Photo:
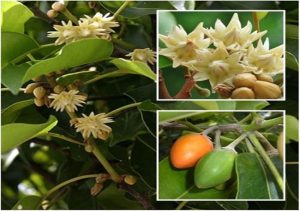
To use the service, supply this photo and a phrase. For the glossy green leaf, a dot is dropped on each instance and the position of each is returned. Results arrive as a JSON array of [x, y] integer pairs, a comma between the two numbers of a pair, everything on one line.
[[81, 76], [134, 67], [72, 55], [164, 62], [209, 105], [12, 76], [15, 45], [226, 105], [23, 132], [11, 113], [169, 116], [292, 31], [115, 198], [28, 203], [251, 177], [14, 15], [251, 105], [291, 61], [178, 184], [291, 127]]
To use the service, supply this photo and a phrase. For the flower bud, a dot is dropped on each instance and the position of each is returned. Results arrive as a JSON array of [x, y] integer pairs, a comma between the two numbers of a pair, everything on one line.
[[266, 90], [39, 92], [38, 102], [58, 7], [243, 93], [130, 180], [244, 80], [30, 87], [264, 77], [52, 14], [58, 89]]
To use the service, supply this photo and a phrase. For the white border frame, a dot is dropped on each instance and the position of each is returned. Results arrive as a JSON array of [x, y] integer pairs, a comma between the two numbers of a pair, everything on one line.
[[202, 111], [203, 99]]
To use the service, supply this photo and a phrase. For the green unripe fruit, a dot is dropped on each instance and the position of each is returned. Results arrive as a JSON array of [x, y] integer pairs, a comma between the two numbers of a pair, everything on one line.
[[214, 168]]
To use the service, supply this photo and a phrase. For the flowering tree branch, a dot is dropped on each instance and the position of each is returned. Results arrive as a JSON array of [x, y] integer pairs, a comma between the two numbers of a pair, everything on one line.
[[186, 89]]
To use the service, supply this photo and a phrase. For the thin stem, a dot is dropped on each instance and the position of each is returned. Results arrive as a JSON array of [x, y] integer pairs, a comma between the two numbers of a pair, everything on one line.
[[7, 89], [181, 205], [101, 158], [67, 182], [249, 146], [123, 6], [265, 124], [267, 160], [163, 90], [118, 110], [217, 139], [256, 21], [246, 119], [70, 16], [190, 126], [186, 89], [292, 163], [267, 145], [105, 75], [233, 144], [65, 138], [209, 130]]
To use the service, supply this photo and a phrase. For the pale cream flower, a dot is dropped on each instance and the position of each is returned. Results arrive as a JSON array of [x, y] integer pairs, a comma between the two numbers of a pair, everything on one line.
[[233, 35], [217, 65], [183, 48], [68, 101], [93, 125], [263, 60], [88, 27], [143, 55]]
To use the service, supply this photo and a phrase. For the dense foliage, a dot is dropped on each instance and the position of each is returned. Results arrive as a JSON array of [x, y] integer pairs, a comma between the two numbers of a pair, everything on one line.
[[52, 164]]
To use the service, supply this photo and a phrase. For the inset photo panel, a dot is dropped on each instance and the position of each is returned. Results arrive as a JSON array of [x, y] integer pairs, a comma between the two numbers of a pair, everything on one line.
[[221, 55], [221, 155]]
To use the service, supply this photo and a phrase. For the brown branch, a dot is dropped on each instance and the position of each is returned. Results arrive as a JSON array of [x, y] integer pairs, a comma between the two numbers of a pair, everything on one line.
[[138, 196], [186, 89], [163, 90]]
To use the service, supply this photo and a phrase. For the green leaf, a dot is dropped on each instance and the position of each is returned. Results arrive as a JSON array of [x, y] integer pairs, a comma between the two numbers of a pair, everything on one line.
[[251, 105], [291, 61], [134, 67], [209, 105], [168, 23], [115, 198], [81, 76], [291, 127], [226, 105], [179, 184], [15, 45], [23, 132], [28, 203], [11, 113], [12, 76], [72, 55], [164, 62], [292, 31], [252, 179], [168, 116], [14, 16]]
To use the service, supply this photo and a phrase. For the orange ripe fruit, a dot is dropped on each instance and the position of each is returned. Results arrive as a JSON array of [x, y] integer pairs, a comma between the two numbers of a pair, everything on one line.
[[188, 149]]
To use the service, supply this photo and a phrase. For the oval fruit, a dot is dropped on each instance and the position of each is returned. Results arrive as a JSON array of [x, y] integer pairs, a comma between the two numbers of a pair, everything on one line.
[[244, 80], [243, 93], [264, 77], [188, 149], [214, 168], [266, 90]]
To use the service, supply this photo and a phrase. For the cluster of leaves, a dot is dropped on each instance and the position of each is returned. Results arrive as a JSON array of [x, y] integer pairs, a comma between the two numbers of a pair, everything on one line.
[[32, 168]]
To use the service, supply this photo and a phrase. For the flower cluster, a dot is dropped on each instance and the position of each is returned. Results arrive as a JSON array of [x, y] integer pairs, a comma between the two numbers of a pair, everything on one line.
[[218, 54], [89, 27], [144, 55], [93, 125]]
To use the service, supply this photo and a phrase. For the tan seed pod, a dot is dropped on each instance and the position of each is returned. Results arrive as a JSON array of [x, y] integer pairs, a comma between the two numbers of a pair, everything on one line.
[[58, 7], [39, 92], [244, 80], [58, 89], [264, 77], [30, 87], [38, 102], [52, 14], [243, 93], [224, 90], [266, 90], [130, 180]]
